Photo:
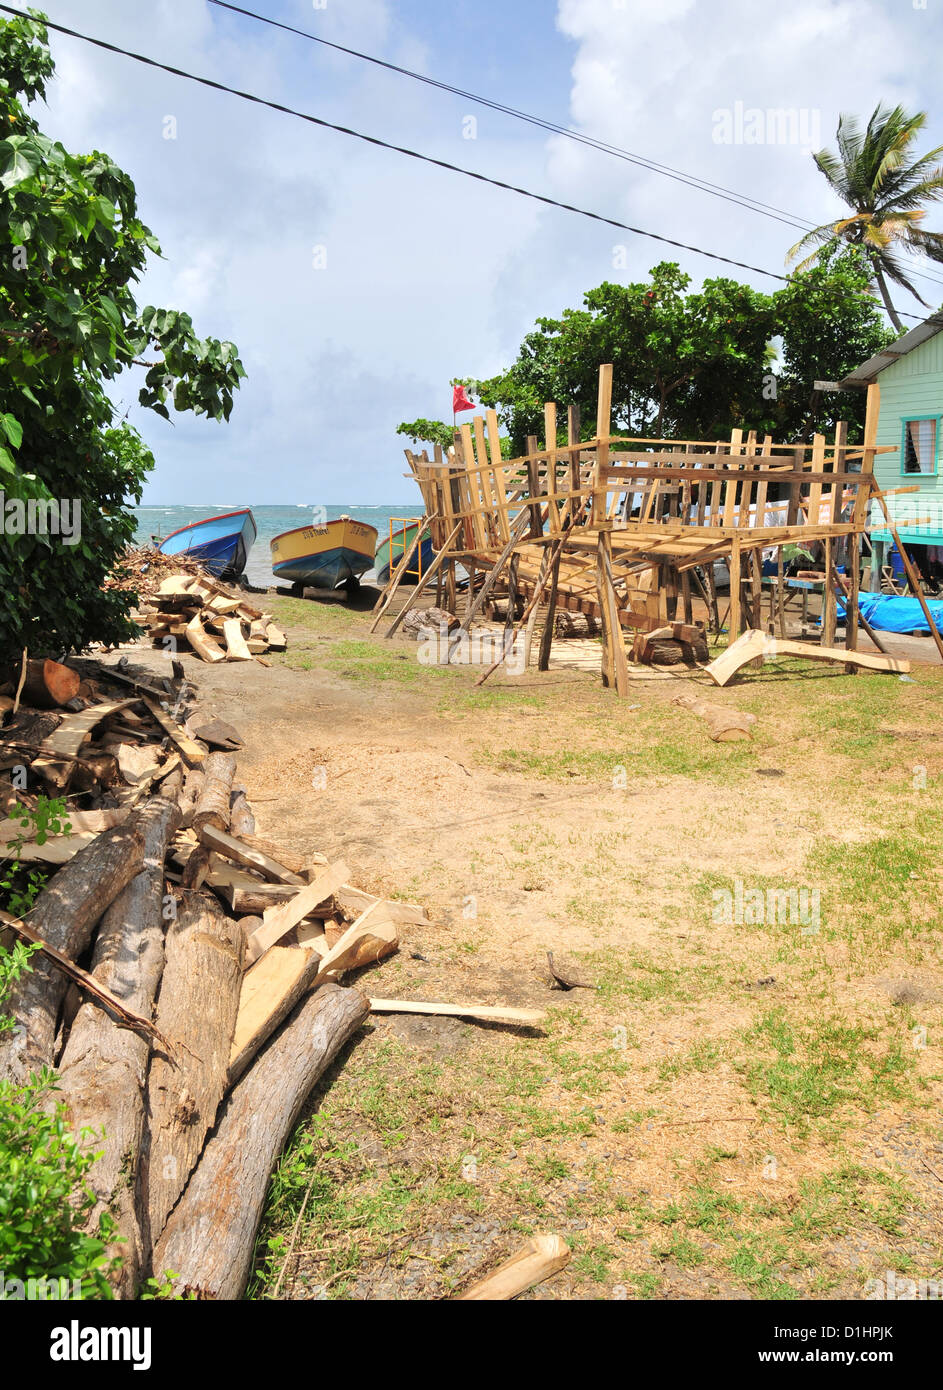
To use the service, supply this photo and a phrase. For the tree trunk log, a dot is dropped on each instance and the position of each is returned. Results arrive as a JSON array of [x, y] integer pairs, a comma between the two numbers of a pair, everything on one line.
[[29, 730], [190, 796], [103, 1067], [209, 1238], [64, 915], [241, 819], [725, 725], [567, 624], [49, 684], [199, 999], [213, 805]]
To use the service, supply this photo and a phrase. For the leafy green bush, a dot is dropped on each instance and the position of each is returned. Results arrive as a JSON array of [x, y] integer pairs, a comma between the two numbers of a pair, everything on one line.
[[19, 885], [44, 1196], [71, 248]]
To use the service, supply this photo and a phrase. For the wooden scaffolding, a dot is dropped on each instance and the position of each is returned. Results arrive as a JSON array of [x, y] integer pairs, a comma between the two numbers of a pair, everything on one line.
[[627, 530]]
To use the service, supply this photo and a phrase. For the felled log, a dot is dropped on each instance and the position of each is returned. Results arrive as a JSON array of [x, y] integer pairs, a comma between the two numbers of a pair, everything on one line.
[[28, 730], [196, 869], [49, 684], [567, 624], [102, 1070], [213, 805], [209, 1238], [260, 897], [199, 997], [241, 819], [726, 725], [190, 796], [64, 915], [422, 622], [542, 1256]]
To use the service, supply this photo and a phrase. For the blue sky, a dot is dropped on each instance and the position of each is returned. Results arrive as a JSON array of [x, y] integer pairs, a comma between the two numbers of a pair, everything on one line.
[[421, 275]]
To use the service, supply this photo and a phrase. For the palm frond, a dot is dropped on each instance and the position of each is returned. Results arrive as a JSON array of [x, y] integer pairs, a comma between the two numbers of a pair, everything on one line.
[[893, 269], [819, 236]]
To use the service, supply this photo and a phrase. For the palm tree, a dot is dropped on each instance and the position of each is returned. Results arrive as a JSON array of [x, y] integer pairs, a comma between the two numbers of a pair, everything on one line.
[[878, 177]]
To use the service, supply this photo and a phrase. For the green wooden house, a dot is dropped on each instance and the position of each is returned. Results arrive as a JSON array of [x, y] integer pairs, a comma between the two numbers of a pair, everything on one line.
[[909, 375]]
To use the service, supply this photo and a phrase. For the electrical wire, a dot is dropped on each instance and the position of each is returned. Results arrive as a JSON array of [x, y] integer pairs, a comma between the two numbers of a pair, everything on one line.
[[409, 153]]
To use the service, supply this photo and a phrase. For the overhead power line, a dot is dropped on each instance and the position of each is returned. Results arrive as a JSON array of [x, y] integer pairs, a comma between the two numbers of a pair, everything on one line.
[[405, 150], [730, 195]]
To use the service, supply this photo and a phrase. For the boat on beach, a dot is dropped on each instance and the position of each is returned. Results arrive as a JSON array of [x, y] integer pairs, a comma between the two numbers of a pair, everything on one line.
[[221, 543], [397, 545], [324, 556]]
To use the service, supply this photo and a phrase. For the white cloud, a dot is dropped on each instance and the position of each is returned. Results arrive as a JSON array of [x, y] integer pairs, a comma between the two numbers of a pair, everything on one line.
[[429, 275]]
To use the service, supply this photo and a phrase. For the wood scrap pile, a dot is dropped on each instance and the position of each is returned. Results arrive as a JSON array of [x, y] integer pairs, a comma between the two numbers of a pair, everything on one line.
[[143, 568], [187, 986], [216, 622]]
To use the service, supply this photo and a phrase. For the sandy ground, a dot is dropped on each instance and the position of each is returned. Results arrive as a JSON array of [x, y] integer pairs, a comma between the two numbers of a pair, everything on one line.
[[420, 797]]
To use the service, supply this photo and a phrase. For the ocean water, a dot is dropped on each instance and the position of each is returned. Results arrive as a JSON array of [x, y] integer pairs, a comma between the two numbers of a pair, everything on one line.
[[271, 521]]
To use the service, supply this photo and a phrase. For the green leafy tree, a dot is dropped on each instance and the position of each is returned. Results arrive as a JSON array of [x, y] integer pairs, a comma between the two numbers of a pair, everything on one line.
[[424, 431], [828, 324], [71, 248], [690, 365], [682, 362], [878, 174]]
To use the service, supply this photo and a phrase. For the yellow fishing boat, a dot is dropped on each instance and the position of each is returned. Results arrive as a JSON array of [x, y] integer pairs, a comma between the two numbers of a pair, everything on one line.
[[324, 556]]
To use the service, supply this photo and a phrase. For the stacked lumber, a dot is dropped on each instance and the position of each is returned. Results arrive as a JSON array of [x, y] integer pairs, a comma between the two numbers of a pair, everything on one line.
[[188, 982], [215, 622]]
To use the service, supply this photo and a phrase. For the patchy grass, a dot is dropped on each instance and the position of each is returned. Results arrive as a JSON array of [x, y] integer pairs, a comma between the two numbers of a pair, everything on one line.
[[737, 1108]]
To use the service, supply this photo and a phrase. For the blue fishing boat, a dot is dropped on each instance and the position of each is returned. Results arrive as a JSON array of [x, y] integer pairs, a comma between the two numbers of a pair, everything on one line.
[[221, 543]]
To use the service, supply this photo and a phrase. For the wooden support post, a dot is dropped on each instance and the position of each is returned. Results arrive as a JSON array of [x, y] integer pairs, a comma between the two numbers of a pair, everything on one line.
[[853, 572], [735, 577], [470, 595], [546, 637], [781, 591], [686, 608], [513, 568], [533, 488], [573, 438], [828, 597], [756, 587], [603, 430], [615, 665]]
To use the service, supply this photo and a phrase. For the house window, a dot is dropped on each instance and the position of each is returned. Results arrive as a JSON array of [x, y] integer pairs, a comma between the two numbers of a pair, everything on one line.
[[919, 446]]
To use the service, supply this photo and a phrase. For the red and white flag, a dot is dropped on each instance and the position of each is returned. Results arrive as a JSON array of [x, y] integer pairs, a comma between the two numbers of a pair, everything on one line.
[[460, 401]]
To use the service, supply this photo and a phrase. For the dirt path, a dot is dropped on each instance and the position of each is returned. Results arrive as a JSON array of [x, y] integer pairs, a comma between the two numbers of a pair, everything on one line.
[[739, 1108]]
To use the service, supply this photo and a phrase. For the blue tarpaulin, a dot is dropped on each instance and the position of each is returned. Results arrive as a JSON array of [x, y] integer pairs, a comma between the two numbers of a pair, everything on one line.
[[891, 613]]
